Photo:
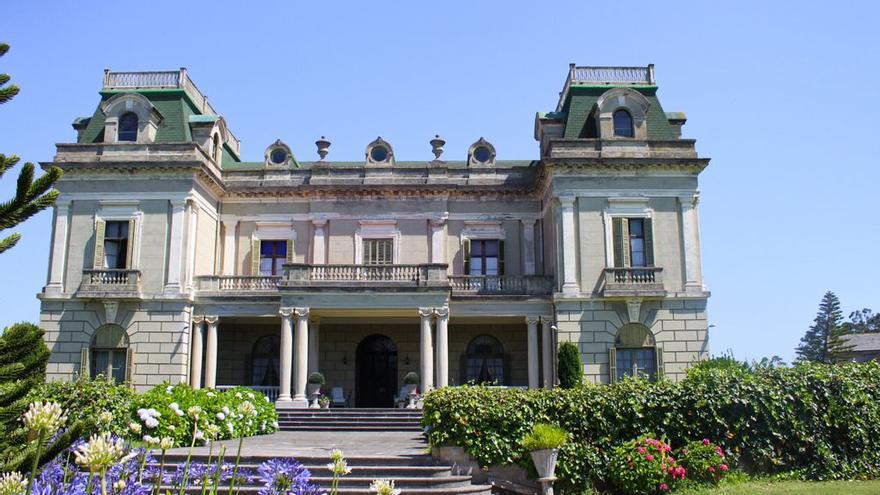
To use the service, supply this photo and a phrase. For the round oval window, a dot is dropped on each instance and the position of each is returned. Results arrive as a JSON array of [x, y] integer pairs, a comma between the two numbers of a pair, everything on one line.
[[278, 156], [482, 154], [379, 154]]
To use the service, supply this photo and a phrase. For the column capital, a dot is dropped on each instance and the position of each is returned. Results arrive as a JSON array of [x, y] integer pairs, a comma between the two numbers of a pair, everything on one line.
[[426, 312], [198, 319], [301, 313], [63, 204], [319, 222], [286, 312], [442, 312], [531, 320], [528, 221], [211, 319], [230, 222], [178, 204], [438, 222], [689, 200], [567, 200], [547, 319]]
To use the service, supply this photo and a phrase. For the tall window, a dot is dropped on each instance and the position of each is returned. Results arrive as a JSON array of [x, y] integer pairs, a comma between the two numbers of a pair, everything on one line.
[[633, 242], [116, 245], [484, 361], [265, 360], [636, 362], [109, 353], [623, 124], [378, 252], [273, 254], [486, 258], [635, 354], [637, 242], [128, 127]]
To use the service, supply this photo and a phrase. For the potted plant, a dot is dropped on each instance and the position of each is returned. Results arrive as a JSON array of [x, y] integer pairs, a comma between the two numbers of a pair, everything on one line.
[[316, 381], [324, 402], [543, 443], [410, 382]]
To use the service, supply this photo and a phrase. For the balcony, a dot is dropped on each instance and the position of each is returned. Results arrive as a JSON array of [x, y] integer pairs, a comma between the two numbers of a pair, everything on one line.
[[373, 276], [110, 284], [634, 282], [503, 285], [234, 284]]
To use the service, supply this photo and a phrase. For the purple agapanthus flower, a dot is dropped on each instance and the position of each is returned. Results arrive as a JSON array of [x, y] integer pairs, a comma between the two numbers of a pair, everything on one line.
[[284, 477]]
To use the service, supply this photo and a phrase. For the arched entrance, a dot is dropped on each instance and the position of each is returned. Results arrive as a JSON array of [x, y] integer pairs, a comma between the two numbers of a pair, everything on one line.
[[376, 372]]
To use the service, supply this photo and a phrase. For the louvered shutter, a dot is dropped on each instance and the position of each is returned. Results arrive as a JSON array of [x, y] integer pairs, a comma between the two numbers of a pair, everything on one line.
[[129, 254], [289, 258], [501, 257], [660, 369], [466, 256], [255, 258], [129, 364], [649, 242], [612, 364], [617, 233], [100, 227], [85, 370]]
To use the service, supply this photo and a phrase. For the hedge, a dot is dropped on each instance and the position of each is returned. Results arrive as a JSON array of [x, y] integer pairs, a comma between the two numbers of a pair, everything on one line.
[[814, 421]]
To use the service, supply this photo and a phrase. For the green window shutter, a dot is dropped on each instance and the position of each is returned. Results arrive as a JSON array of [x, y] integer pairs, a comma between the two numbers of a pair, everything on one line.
[[627, 255], [649, 242], [255, 258], [85, 370], [619, 244], [289, 251], [129, 364], [129, 254], [98, 262], [466, 256], [612, 364], [660, 369], [500, 257]]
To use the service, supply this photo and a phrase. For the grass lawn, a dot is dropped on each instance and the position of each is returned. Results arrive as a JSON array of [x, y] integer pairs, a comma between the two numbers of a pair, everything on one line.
[[791, 487]]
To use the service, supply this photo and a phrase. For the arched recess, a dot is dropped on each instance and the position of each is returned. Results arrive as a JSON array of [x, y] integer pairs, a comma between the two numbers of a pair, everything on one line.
[[147, 116], [484, 361], [376, 372], [635, 353], [109, 354], [627, 99], [265, 361]]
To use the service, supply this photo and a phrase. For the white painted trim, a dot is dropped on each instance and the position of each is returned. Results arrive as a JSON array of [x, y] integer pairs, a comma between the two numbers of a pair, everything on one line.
[[377, 229], [483, 229], [118, 211]]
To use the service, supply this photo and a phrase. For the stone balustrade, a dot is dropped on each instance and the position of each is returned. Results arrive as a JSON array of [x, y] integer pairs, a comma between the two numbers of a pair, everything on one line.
[[527, 285], [110, 283], [634, 281]]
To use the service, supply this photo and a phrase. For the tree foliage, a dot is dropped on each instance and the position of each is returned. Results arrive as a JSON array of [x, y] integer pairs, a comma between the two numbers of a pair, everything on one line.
[[31, 195], [824, 342], [570, 370], [864, 321]]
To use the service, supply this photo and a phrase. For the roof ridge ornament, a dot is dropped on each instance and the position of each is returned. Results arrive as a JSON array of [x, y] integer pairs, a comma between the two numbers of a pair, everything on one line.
[[323, 147], [437, 146]]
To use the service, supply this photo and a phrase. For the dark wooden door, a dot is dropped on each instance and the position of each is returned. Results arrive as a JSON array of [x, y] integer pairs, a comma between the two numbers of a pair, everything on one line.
[[376, 372]]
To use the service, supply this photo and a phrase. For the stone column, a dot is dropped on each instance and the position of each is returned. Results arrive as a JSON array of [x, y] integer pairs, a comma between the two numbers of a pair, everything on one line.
[[193, 225], [528, 229], [426, 368], [442, 346], [691, 241], [319, 246], [229, 245], [175, 249], [569, 247], [59, 248], [437, 240], [547, 351], [211, 352], [532, 324], [301, 358], [314, 326], [286, 358], [195, 356]]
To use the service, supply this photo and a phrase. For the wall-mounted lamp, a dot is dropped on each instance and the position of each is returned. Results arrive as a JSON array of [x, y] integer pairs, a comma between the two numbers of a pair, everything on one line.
[[345, 359], [406, 360]]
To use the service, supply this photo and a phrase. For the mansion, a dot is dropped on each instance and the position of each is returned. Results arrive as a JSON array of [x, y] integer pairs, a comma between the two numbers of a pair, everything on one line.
[[173, 259]]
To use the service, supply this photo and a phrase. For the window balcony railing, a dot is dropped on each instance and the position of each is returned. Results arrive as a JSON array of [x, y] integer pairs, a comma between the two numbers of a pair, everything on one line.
[[109, 283], [634, 281], [524, 285], [608, 75]]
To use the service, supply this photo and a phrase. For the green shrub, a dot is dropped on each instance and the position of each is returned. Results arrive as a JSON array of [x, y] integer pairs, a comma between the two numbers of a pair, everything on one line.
[[643, 467], [90, 402], [411, 378], [544, 436], [316, 379], [705, 462], [173, 413], [818, 421], [570, 368]]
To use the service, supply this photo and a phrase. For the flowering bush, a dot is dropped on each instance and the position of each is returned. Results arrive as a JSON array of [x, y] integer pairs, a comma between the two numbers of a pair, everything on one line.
[[98, 404], [705, 462], [644, 466], [172, 411]]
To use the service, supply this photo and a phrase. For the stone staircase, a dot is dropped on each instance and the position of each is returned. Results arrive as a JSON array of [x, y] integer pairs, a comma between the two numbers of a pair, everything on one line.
[[349, 420]]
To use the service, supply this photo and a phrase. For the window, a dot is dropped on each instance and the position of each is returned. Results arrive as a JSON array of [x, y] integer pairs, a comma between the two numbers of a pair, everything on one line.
[[637, 242], [273, 255], [635, 354], [278, 156], [116, 245], [265, 360], [378, 252], [633, 242], [486, 258], [623, 124], [379, 153], [482, 154], [128, 127], [484, 361], [108, 354], [636, 362]]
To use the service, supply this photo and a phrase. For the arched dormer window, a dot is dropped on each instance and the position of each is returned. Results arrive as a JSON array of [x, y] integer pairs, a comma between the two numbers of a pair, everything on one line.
[[484, 361], [128, 127], [108, 354], [623, 124]]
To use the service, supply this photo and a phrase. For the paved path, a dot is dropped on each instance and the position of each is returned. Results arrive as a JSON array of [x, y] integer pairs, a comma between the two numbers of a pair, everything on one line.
[[320, 443]]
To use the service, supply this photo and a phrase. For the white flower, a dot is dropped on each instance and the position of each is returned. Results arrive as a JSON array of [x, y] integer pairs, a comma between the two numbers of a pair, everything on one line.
[[211, 394], [44, 417], [238, 395], [135, 428], [221, 416], [178, 412], [266, 397], [105, 417], [230, 428], [247, 409], [336, 455], [384, 487], [12, 484], [250, 395], [212, 431], [171, 427], [225, 410], [119, 486], [339, 466], [101, 452], [194, 411], [169, 389], [199, 435], [151, 422], [263, 426], [166, 443], [275, 424], [173, 406], [151, 441]]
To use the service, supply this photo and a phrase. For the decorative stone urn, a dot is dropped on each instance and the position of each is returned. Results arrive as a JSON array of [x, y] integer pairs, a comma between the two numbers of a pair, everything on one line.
[[545, 464]]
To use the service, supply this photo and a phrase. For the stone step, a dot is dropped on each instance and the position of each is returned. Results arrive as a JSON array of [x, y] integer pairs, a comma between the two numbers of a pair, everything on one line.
[[351, 428], [309, 460], [460, 490], [348, 422]]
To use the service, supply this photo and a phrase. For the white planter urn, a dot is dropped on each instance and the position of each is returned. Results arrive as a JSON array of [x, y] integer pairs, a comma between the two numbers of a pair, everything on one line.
[[313, 388], [545, 464]]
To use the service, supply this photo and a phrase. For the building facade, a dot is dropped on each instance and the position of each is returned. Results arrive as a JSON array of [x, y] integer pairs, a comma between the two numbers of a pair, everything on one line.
[[174, 260]]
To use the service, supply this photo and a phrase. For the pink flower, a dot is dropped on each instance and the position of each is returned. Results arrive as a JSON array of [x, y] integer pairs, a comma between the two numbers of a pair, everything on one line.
[[649, 457], [641, 450], [711, 469], [664, 487], [667, 447], [724, 467], [706, 441], [684, 451], [671, 459]]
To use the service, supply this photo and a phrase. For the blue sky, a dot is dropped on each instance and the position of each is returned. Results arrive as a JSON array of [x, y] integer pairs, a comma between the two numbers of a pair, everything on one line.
[[778, 94]]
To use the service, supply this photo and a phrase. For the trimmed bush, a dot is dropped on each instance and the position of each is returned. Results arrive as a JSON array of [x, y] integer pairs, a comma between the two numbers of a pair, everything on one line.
[[411, 378], [817, 421], [316, 379], [544, 436], [570, 369], [90, 402]]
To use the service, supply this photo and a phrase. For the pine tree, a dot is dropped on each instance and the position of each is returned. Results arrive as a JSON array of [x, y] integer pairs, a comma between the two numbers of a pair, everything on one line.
[[824, 342], [570, 369], [31, 196]]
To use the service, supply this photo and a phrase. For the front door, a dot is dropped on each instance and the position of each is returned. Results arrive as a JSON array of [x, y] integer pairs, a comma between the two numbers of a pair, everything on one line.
[[376, 374]]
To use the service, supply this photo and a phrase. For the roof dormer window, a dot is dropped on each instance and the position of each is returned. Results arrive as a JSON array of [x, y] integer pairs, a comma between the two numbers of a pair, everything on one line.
[[128, 127], [623, 124]]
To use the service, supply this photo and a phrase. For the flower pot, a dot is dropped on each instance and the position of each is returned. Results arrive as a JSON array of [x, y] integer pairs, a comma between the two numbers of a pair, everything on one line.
[[545, 462], [313, 388], [410, 388]]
